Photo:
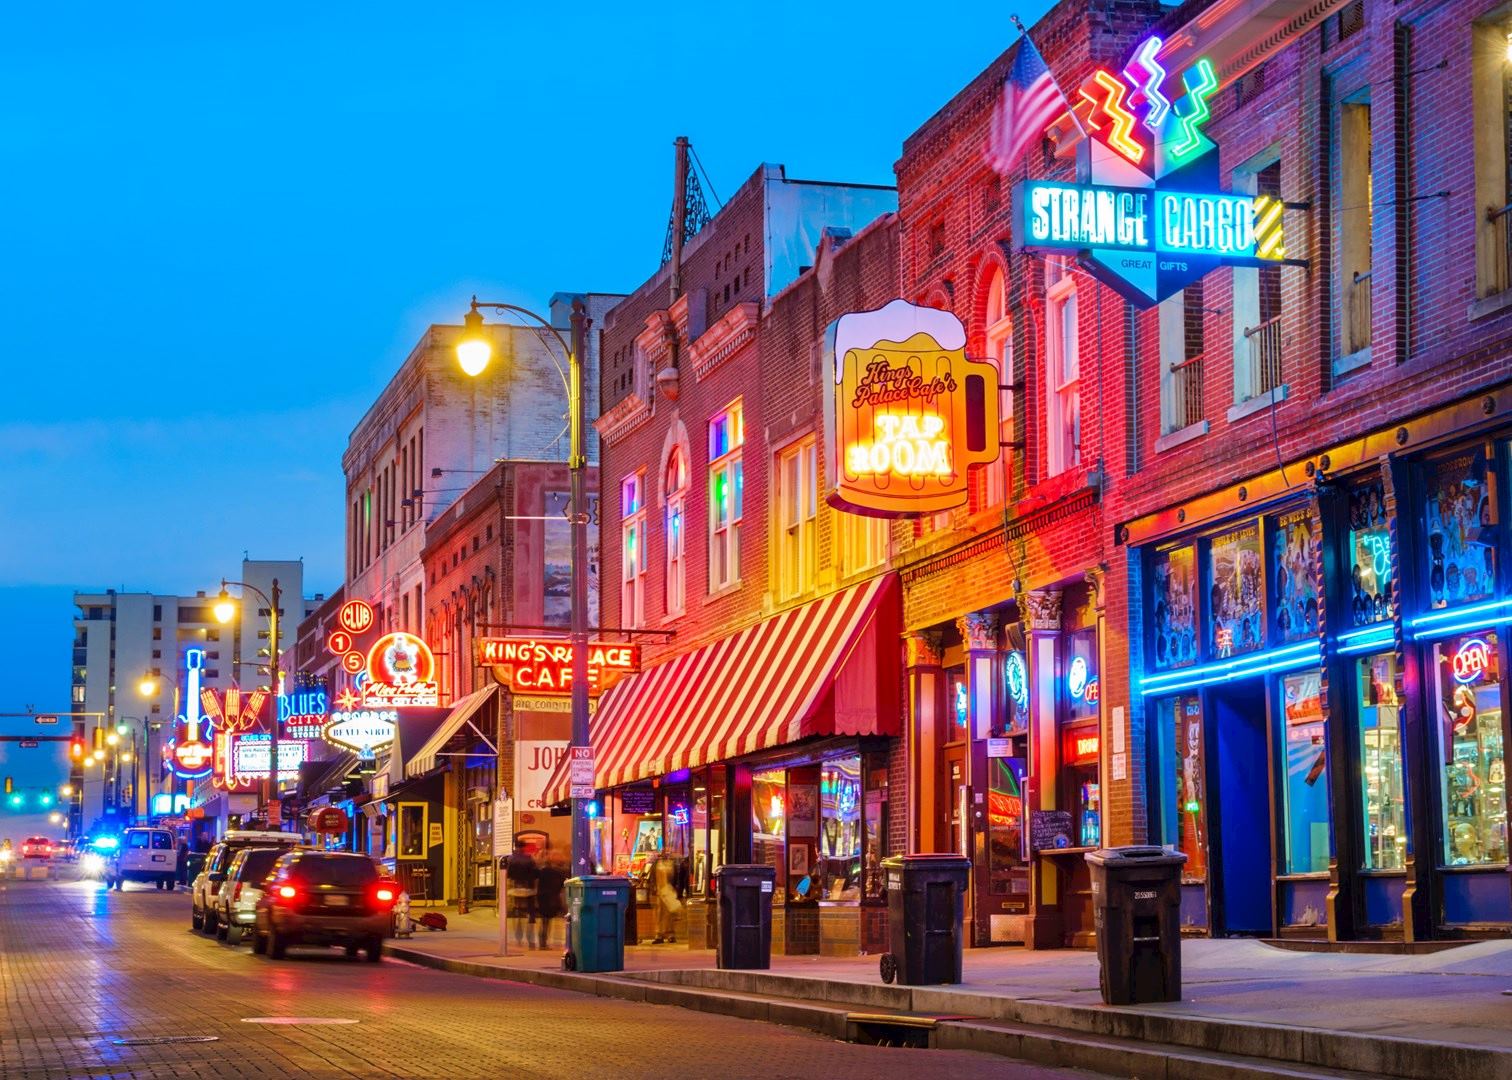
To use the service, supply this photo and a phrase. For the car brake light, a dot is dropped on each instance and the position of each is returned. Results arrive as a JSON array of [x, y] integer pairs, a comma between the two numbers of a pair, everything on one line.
[[287, 892], [236, 893], [385, 895]]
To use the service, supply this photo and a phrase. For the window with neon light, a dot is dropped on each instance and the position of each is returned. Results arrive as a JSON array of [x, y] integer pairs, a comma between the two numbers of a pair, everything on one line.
[[675, 487], [1304, 787], [1467, 709], [633, 550], [1370, 555], [726, 496], [1182, 783], [1460, 520], [837, 873], [797, 516], [1063, 368], [1383, 791], [769, 824], [999, 338]]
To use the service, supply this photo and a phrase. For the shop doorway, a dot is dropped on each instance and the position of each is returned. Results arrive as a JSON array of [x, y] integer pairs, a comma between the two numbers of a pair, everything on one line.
[[952, 785], [1240, 773]]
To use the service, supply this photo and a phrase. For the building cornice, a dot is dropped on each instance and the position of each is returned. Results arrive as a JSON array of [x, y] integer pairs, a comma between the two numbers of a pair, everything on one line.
[[724, 339]]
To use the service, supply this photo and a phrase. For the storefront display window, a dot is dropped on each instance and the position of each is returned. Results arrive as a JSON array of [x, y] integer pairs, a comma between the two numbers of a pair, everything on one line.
[[638, 832], [678, 828], [1305, 785], [769, 823], [1181, 721], [1370, 552], [875, 798], [1174, 585], [1460, 521], [1080, 738], [1005, 826], [1234, 597], [836, 874], [412, 821], [708, 828], [1468, 698], [1381, 763], [1294, 589]]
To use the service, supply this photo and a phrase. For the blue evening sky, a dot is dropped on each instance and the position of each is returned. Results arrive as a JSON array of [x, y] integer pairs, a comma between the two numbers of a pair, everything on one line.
[[224, 226]]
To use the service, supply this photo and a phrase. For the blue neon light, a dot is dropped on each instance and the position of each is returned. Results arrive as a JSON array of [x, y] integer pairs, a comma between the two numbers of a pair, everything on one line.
[[1367, 639], [1474, 617], [1016, 674], [1304, 652], [1076, 677]]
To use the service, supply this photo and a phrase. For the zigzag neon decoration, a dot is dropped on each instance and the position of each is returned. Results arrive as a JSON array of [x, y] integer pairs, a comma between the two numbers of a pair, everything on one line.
[[1110, 103], [1147, 76], [1192, 110]]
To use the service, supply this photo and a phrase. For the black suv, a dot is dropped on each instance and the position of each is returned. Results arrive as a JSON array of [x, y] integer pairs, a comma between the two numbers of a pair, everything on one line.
[[324, 898]]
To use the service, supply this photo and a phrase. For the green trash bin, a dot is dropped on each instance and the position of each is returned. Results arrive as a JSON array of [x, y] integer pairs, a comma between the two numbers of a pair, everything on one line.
[[596, 905]]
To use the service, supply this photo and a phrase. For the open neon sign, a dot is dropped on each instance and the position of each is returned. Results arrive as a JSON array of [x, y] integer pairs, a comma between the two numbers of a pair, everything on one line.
[[1471, 661]]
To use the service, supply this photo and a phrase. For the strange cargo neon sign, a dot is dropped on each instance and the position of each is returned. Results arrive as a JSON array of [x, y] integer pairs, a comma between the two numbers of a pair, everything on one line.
[[1147, 216]]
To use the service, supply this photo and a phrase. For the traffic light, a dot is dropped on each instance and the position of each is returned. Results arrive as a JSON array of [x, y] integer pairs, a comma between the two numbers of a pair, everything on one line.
[[10, 785], [76, 747], [99, 739]]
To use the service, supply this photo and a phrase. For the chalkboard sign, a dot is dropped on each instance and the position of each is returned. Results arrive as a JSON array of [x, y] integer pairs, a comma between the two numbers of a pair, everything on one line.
[[1049, 829], [638, 800]]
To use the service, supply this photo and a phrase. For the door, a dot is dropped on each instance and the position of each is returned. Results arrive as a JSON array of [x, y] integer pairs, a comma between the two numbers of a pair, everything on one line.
[[1239, 774], [950, 799]]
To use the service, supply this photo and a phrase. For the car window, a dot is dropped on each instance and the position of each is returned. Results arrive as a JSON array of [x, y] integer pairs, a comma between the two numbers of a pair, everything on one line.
[[335, 870], [220, 857], [161, 841], [257, 865], [136, 840]]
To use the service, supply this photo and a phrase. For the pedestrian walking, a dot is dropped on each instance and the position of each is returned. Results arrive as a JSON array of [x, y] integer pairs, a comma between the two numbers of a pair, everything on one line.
[[521, 878], [551, 877], [665, 881]]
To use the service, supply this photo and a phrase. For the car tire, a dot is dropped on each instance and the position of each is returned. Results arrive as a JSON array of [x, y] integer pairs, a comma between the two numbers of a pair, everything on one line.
[[277, 948], [196, 920], [211, 921], [221, 930], [374, 950], [233, 936], [351, 948], [259, 943]]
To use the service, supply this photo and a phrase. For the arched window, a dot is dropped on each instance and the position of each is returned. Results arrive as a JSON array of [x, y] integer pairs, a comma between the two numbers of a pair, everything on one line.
[[674, 487], [1000, 351]]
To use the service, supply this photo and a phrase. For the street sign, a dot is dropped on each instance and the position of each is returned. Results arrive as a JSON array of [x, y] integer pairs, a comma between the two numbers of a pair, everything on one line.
[[46, 719], [580, 772], [28, 744], [503, 827]]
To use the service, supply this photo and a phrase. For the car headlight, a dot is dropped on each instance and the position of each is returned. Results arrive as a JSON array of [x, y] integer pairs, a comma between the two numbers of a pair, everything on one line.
[[92, 863], [6, 855]]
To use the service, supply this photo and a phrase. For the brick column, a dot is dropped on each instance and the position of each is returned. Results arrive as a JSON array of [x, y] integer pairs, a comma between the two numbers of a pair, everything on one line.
[[1043, 624], [925, 691]]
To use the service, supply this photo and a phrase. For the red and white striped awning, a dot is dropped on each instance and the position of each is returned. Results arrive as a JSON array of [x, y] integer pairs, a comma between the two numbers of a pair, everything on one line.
[[767, 685]]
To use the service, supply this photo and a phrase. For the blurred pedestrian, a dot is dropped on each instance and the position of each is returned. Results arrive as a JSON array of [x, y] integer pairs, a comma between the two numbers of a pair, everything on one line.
[[551, 876], [521, 877], [665, 881]]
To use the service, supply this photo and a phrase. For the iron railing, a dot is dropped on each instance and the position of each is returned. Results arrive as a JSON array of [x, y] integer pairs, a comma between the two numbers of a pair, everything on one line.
[[1264, 356], [1186, 387]]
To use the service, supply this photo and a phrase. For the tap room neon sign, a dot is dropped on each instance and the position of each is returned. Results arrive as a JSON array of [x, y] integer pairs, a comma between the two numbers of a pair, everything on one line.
[[1148, 216]]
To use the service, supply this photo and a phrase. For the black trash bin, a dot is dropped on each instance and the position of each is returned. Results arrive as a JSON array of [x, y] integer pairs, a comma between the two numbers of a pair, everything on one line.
[[926, 903], [1136, 904], [745, 915]]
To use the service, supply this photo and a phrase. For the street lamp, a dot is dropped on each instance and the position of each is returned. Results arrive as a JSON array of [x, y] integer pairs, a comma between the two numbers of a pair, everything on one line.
[[474, 350], [225, 610]]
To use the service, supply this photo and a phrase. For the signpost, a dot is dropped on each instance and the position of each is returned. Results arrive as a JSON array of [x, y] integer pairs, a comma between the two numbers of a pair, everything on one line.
[[580, 772]]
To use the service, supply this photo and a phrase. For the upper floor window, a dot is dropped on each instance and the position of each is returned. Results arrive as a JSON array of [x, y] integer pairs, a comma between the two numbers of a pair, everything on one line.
[[1062, 369], [863, 541], [726, 495], [1257, 292], [1352, 192], [675, 485], [633, 566], [797, 510], [1000, 352], [1491, 103]]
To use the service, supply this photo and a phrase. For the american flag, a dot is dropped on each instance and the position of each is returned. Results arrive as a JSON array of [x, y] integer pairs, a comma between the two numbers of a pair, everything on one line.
[[1031, 102]]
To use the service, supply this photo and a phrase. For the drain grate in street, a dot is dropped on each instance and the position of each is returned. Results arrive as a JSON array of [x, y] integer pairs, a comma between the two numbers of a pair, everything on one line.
[[296, 1020], [163, 1040]]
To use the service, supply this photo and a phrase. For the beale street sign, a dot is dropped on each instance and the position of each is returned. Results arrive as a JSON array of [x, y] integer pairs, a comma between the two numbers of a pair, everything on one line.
[[544, 665], [1147, 217]]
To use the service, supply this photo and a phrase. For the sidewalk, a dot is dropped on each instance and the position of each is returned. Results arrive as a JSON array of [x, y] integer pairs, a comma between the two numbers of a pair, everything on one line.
[[1277, 1003]]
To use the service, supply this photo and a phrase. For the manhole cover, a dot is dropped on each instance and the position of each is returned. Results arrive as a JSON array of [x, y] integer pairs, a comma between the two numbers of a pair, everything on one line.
[[159, 1040], [295, 1020]]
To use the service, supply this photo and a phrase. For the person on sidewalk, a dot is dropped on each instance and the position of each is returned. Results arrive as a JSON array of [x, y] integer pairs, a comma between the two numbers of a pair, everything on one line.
[[551, 877], [521, 878], [665, 878]]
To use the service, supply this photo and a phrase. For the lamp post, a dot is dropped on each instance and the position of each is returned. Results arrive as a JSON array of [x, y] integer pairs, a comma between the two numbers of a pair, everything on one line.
[[474, 350], [225, 611]]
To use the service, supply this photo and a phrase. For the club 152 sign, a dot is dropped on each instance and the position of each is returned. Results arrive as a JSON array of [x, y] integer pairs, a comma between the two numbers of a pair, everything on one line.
[[544, 665], [906, 413], [1148, 217]]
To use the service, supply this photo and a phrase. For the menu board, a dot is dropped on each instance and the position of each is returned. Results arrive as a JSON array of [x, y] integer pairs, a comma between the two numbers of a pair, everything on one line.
[[1050, 829]]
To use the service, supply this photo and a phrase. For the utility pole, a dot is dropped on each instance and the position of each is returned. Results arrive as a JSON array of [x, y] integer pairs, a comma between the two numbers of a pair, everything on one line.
[[582, 859], [276, 599]]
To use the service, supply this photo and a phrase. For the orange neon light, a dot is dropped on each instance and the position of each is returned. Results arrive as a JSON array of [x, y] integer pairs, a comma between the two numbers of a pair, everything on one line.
[[1110, 105], [544, 665]]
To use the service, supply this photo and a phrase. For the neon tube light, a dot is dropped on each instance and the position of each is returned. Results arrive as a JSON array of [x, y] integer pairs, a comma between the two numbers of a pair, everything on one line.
[[1474, 617], [1366, 639], [1192, 111], [1240, 668], [1110, 104], [1145, 72]]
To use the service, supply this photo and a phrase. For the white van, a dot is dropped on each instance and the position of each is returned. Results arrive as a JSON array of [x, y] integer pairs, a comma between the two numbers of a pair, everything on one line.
[[144, 855]]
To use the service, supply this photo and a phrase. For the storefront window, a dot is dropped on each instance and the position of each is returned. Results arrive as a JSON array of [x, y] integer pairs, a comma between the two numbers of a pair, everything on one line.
[[1460, 520], [960, 705], [836, 873], [1234, 599], [1381, 763], [1016, 693], [708, 828], [638, 836], [1305, 786], [1080, 738], [1174, 599], [1005, 826], [769, 823], [1185, 795], [1082, 688], [876, 825], [1294, 589], [1370, 552], [1468, 696], [412, 820]]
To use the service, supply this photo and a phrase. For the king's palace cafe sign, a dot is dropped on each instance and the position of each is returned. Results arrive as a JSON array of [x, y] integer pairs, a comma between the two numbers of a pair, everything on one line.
[[544, 665]]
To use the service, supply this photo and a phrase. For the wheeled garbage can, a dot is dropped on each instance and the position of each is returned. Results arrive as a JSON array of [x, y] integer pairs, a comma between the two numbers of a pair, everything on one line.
[[745, 915], [1136, 904], [926, 903], [596, 906]]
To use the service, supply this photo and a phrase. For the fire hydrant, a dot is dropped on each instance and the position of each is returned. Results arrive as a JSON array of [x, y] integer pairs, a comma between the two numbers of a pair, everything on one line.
[[403, 926]]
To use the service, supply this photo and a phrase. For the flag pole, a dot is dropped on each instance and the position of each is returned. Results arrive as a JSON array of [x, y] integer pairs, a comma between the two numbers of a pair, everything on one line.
[[1022, 29]]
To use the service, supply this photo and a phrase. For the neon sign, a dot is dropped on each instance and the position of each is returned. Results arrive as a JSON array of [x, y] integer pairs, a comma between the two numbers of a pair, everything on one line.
[[362, 730], [1471, 661], [302, 713], [906, 413], [191, 755], [251, 754], [1147, 215], [1087, 746], [232, 711], [355, 617], [1077, 675], [544, 665], [401, 672], [1016, 675], [164, 804]]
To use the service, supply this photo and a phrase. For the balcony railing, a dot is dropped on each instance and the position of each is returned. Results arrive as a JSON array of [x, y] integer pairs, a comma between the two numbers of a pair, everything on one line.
[[1186, 392], [1264, 356]]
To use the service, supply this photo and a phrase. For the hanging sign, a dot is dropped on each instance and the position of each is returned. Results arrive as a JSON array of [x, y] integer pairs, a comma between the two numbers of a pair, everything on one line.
[[1148, 217], [362, 730], [544, 665], [906, 414], [302, 713], [401, 673], [251, 756], [192, 755], [329, 820]]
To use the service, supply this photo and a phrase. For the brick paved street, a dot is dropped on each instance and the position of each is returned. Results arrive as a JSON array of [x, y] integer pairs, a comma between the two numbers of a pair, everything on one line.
[[80, 967]]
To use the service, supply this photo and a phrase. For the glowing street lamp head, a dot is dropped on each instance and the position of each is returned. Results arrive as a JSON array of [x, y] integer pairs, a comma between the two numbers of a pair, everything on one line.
[[225, 607], [66, 791], [112, 739], [474, 350], [148, 687]]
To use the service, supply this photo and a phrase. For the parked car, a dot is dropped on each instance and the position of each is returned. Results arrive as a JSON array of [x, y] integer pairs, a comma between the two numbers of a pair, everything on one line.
[[38, 847], [143, 855], [236, 903], [324, 898], [205, 888]]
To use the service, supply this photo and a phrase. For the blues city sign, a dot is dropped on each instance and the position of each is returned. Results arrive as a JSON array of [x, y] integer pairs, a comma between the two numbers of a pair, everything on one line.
[[1147, 216]]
